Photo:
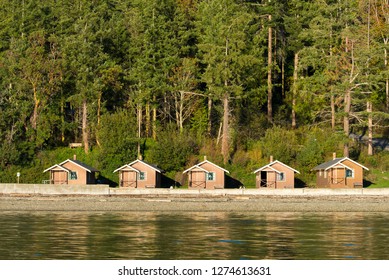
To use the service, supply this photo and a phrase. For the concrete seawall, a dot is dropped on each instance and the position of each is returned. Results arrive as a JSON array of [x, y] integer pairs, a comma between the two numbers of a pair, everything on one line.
[[45, 189]]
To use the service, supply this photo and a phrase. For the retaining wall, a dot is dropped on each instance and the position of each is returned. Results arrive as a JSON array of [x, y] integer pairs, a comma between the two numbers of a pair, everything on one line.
[[46, 189]]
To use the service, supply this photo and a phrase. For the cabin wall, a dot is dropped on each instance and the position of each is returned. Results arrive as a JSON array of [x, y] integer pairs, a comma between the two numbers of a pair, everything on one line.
[[150, 178], [288, 181], [358, 174], [81, 174], [219, 181]]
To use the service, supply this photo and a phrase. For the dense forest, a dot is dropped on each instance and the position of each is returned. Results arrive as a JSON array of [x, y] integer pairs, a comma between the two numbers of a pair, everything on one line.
[[174, 80]]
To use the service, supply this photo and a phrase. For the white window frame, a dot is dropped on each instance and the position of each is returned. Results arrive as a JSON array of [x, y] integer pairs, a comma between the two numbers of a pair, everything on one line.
[[70, 175], [144, 176], [352, 173], [213, 176], [281, 177]]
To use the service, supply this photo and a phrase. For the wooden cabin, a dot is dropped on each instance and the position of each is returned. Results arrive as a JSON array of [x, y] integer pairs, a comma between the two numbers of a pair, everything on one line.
[[71, 172], [275, 175], [139, 174], [339, 173], [206, 175]]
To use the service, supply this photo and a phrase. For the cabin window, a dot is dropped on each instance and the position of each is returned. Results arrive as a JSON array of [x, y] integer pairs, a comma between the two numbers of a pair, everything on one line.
[[72, 175], [349, 173], [211, 176], [142, 176], [281, 176]]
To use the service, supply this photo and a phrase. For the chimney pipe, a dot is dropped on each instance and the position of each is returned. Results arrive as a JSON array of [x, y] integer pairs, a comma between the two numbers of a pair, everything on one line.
[[333, 155], [205, 158], [74, 157], [271, 159]]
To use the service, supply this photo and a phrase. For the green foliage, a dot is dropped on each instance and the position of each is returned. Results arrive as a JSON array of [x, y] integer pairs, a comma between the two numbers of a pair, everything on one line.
[[280, 143], [199, 122], [165, 60], [173, 149], [117, 137]]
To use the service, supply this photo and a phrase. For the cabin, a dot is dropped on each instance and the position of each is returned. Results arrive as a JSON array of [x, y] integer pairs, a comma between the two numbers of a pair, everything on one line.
[[339, 173], [139, 174], [71, 172], [276, 175], [206, 175]]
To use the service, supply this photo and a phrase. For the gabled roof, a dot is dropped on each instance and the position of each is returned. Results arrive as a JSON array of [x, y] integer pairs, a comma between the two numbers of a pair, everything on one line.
[[129, 165], [194, 167], [76, 162], [57, 166], [201, 163], [329, 164], [274, 162]]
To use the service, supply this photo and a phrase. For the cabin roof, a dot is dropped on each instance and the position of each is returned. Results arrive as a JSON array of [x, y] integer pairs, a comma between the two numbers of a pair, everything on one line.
[[129, 165], [202, 163], [330, 164], [57, 166], [76, 162], [270, 165]]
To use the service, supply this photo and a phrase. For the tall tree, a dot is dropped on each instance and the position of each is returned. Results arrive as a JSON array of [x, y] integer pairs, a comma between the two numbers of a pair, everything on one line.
[[223, 46]]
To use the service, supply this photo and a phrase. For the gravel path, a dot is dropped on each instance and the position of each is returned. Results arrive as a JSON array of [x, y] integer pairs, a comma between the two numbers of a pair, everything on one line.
[[197, 204]]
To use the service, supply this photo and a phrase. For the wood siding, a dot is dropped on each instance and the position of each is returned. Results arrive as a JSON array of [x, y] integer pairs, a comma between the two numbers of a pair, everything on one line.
[[270, 178], [197, 177], [83, 176], [335, 177], [130, 176]]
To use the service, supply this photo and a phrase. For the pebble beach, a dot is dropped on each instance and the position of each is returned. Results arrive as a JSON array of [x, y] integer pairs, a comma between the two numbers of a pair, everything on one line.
[[341, 203]]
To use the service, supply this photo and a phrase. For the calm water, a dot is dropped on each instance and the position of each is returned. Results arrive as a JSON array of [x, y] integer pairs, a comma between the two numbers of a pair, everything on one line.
[[85, 235]]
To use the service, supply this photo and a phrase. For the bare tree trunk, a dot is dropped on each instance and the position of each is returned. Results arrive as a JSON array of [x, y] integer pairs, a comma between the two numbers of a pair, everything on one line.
[[139, 116], [209, 129], [387, 78], [346, 120], [34, 117], [369, 110], [147, 119], [333, 120], [219, 134], [347, 102], [225, 139], [181, 114], [154, 132], [98, 115], [283, 76], [295, 77], [269, 76], [62, 121], [85, 133]]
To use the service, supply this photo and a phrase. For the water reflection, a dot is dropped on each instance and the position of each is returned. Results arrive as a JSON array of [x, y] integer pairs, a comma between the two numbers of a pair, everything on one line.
[[85, 235]]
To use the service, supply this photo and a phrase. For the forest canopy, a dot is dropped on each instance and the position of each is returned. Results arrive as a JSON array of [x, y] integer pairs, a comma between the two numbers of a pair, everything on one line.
[[236, 80]]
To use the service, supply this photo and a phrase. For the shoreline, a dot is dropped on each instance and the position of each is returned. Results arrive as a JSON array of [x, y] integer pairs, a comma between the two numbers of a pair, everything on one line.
[[248, 204]]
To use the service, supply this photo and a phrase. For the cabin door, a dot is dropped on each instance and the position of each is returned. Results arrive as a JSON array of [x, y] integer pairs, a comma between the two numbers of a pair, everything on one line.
[[59, 177], [263, 183], [198, 179], [129, 179]]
